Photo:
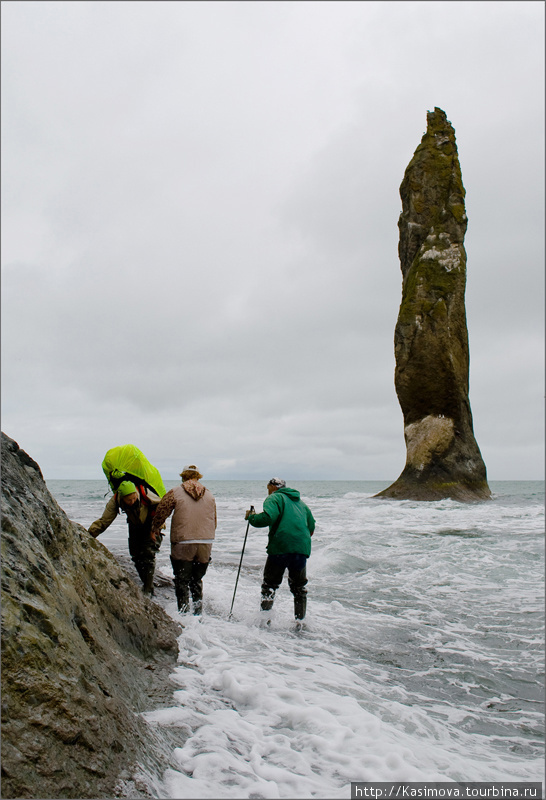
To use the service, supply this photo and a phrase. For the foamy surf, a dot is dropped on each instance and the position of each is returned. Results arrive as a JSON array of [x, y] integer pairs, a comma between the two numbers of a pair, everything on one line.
[[421, 660]]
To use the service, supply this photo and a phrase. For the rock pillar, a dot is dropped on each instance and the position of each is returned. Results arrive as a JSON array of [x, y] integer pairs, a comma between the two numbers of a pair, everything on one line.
[[431, 338]]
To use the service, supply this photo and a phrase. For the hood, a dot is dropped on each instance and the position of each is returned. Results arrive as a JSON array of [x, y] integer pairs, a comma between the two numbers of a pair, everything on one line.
[[293, 494], [194, 488]]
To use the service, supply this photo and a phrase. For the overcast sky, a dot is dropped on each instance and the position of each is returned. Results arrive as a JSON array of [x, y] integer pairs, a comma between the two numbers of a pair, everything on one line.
[[199, 229]]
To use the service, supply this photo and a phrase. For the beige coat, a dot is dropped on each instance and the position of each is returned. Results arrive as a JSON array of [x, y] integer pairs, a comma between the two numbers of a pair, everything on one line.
[[194, 513]]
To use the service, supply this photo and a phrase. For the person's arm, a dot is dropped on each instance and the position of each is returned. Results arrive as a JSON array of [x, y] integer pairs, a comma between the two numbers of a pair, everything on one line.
[[109, 515], [311, 524], [164, 509], [269, 515], [262, 520]]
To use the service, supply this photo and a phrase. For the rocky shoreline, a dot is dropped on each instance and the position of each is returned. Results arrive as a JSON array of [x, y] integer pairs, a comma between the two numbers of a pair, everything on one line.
[[83, 652]]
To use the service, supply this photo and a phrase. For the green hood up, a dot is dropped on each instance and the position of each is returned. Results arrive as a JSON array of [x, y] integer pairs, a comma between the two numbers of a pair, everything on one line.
[[128, 463], [293, 494]]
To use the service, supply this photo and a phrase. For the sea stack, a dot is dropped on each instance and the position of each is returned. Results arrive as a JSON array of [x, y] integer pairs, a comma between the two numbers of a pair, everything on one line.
[[431, 338]]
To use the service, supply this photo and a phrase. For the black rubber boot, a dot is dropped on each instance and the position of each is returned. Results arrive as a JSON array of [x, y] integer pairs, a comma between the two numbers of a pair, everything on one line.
[[145, 569], [196, 586], [182, 596], [268, 596], [182, 576], [148, 581], [300, 606]]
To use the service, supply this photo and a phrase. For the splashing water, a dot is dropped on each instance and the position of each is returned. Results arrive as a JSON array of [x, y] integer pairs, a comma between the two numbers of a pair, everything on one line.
[[421, 658]]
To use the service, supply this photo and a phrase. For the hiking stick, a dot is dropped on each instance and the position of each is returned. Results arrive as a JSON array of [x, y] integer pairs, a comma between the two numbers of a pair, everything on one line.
[[240, 562]]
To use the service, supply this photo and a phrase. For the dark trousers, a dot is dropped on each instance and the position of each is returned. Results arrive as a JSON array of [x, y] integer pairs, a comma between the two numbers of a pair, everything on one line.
[[142, 550], [188, 577], [274, 570]]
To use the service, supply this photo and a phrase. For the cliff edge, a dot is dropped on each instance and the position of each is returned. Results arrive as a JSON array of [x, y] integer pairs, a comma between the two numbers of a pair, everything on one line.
[[83, 651]]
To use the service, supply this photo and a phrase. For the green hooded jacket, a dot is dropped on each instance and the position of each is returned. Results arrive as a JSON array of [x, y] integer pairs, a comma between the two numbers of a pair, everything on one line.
[[290, 523]]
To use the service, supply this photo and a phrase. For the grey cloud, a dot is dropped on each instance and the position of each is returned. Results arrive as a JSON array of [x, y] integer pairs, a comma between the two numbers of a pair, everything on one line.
[[199, 228]]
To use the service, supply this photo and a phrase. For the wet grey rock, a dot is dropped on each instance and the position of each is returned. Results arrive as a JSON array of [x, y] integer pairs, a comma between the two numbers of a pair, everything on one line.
[[83, 652], [431, 339]]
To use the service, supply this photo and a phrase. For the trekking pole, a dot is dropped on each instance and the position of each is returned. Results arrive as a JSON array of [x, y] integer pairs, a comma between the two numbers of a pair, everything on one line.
[[240, 563]]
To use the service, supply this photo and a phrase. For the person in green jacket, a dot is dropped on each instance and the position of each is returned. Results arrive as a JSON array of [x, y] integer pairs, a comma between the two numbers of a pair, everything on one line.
[[291, 525]]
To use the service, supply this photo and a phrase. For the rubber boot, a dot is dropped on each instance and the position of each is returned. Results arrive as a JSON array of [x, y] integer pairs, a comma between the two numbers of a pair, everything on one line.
[[196, 589], [197, 608], [182, 575], [141, 568], [148, 587], [182, 596], [268, 596], [146, 574], [196, 586], [300, 606]]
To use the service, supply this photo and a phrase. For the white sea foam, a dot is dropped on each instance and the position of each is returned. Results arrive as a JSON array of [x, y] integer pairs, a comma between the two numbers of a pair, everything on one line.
[[422, 658]]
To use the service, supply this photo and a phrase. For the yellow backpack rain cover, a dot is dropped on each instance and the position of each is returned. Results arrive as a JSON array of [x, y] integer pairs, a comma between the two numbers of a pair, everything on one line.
[[127, 462]]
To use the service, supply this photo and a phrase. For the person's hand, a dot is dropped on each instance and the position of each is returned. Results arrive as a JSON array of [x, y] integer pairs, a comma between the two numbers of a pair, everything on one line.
[[249, 512]]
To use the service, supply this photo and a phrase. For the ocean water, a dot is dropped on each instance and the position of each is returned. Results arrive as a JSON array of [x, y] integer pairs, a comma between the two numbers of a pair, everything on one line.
[[422, 658]]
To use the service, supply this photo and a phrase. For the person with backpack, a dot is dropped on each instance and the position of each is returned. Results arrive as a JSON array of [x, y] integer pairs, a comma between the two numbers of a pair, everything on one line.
[[139, 504], [291, 525], [193, 529]]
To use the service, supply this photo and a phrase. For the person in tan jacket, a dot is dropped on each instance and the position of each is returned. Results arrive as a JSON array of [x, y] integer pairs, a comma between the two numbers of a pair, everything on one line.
[[193, 529]]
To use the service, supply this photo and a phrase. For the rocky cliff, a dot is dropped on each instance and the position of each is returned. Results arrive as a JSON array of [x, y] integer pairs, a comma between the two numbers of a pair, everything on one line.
[[83, 651], [431, 338]]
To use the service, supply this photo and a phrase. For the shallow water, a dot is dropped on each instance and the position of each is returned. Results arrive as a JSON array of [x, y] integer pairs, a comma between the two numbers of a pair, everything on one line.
[[422, 657]]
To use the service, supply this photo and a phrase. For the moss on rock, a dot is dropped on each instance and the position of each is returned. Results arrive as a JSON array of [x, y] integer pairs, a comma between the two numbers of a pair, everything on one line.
[[431, 337]]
